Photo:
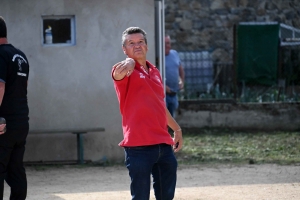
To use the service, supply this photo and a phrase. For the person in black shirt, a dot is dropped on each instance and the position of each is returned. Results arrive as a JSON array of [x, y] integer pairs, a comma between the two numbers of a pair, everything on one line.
[[14, 70]]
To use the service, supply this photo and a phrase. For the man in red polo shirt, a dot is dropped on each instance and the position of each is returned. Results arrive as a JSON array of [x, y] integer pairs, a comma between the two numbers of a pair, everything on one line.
[[149, 148]]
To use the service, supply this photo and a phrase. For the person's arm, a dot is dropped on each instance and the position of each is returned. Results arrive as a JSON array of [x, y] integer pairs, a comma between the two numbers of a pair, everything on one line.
[[2, 90], [181, 77], [168, 90], [178, 140], [123, 68]]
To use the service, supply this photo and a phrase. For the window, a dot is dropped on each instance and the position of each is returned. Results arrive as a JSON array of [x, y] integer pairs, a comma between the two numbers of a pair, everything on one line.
[[58, 30]]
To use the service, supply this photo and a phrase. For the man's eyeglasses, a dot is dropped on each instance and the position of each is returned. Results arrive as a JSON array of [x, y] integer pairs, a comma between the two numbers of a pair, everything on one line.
[[132, 44]]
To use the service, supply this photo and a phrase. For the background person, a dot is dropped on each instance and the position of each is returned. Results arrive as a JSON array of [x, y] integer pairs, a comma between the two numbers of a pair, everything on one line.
[[174, 76], [14, 70], [145, 118]]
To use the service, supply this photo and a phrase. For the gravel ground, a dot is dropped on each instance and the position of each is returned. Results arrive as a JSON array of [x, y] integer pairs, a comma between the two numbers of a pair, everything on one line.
[[198, 182]]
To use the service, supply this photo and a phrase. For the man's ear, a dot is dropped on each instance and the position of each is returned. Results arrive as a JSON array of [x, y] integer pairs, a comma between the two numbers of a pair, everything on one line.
[[124, 50]]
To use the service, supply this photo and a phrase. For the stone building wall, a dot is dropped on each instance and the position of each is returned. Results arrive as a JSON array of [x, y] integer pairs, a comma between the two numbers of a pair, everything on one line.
[[240, 116], [197, 25]]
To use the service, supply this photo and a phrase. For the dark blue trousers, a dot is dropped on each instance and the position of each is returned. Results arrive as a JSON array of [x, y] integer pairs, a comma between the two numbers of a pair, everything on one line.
[[12, 148], [156, 160]]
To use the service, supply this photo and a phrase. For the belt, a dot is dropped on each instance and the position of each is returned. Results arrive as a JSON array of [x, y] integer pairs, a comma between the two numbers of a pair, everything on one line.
[[171, 94]]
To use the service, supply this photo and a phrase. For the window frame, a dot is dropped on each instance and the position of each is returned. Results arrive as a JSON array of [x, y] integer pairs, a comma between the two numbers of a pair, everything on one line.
[[72, 27]]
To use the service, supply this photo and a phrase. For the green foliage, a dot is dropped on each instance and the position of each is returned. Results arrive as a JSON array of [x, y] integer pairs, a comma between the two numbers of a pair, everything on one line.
[[225, 146], [248, 94]]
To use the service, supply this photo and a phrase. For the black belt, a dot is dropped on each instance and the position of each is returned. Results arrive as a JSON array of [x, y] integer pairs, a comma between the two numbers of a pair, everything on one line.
[[140, 147], [171, 94]]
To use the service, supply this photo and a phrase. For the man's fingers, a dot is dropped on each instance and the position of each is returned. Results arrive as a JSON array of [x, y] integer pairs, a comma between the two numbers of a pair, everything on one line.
[[117, 64], [178, 142], [177, 146], [121, 68], [129, 73], [2, 128], [124, 67]]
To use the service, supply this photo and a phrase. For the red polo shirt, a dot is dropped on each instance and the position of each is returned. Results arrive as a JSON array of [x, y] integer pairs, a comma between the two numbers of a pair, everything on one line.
[[143, 109]]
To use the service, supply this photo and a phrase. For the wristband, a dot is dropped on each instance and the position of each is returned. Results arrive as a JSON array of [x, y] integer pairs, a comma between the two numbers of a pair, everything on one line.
[[178, 130]]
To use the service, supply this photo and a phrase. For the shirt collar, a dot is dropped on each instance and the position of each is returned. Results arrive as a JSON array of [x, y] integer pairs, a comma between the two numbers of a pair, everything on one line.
[[138, 66]]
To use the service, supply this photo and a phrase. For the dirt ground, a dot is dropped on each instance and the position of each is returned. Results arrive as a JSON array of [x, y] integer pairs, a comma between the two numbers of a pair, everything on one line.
[[225, 182]]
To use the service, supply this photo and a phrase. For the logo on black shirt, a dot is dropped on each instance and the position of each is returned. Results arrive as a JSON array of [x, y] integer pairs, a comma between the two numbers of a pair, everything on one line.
[[20, 60]]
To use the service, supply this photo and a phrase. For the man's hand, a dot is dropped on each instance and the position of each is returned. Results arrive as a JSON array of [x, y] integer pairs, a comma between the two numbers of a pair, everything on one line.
[[123, 68], [168, 90], [181, 84], [2, 129], [178, 140]]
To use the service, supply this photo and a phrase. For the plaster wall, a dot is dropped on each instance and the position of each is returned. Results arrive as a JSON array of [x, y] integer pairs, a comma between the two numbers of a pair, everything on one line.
[[71, 86]]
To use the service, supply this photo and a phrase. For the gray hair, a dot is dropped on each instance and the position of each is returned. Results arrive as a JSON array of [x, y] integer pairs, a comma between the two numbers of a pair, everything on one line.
[[133, 30]]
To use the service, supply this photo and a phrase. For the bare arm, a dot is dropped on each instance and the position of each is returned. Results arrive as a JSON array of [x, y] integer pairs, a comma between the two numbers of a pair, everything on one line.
[[181, 73], [123, 68], [2, 90], [181, 76], [177, 131]]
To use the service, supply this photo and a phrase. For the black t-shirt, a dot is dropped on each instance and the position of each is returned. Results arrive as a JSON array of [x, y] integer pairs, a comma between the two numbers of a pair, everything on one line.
[[14, 71]]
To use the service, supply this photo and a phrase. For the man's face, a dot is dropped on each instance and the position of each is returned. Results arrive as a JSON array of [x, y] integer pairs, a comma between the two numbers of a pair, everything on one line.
[[135, 46], [167, 45]]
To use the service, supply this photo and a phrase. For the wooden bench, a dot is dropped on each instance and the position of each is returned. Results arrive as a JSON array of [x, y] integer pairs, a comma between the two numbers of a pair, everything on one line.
[[79, 135]]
